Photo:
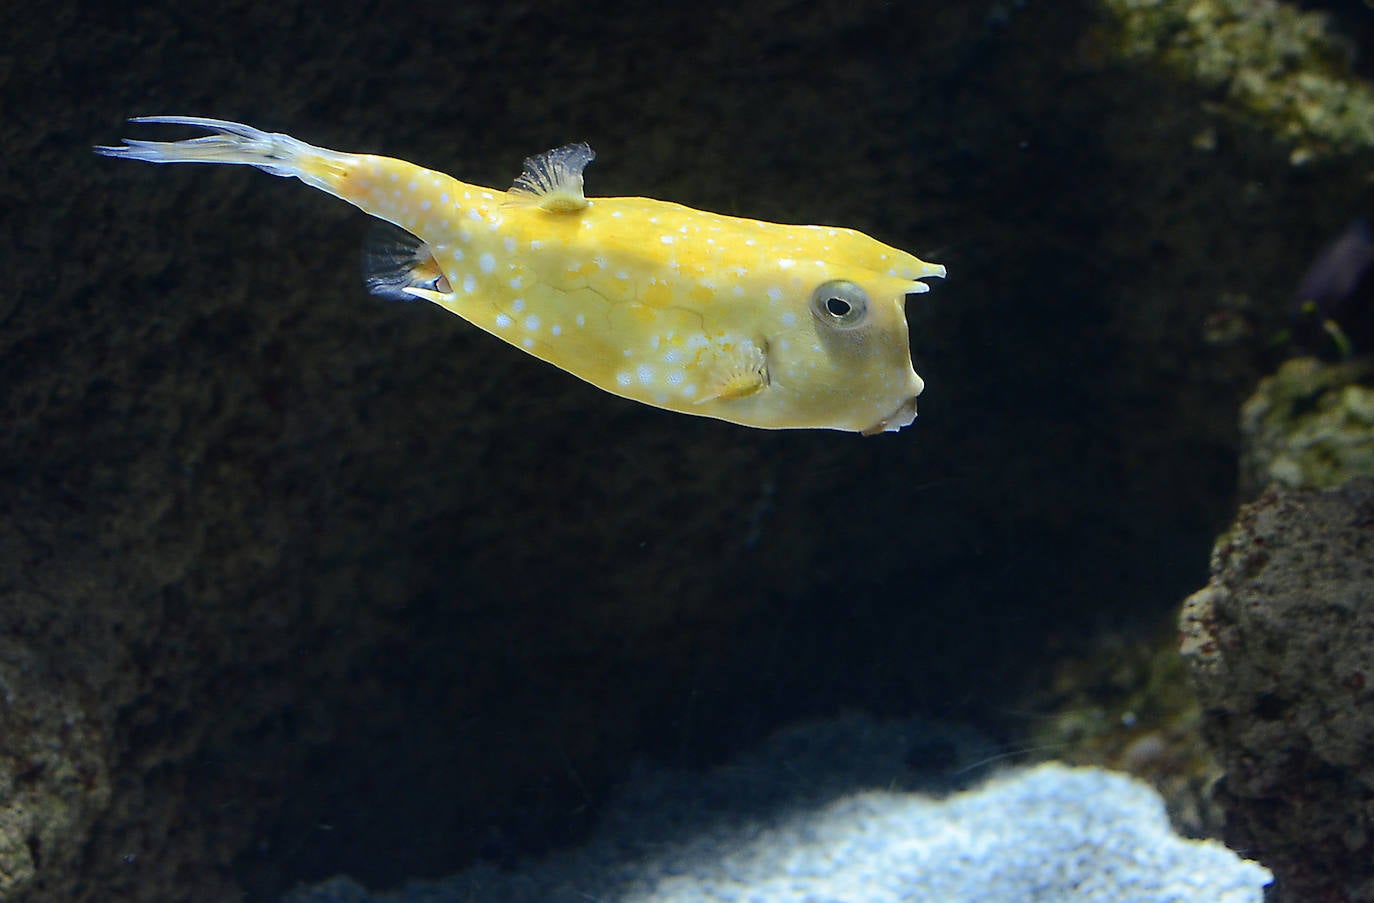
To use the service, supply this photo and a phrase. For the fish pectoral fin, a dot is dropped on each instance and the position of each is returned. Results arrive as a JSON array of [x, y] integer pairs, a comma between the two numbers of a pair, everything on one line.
[[553, 180], [399, 266], [739, 371]]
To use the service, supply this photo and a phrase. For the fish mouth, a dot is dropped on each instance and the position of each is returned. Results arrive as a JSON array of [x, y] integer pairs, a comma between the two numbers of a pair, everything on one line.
[[905, 413]]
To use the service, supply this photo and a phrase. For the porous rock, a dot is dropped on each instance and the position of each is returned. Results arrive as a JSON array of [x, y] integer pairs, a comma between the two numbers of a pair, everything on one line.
[[1281, 647]]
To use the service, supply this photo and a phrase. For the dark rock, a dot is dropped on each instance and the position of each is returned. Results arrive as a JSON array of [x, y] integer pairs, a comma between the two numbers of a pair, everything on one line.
[[1281, 644]]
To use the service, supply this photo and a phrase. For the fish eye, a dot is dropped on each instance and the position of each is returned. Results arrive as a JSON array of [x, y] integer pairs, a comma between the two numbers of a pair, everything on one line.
[[840, 303]]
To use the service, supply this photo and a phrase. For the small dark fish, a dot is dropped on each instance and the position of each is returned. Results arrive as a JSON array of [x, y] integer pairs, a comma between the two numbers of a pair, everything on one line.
[[1332, 305], [1335, 276]]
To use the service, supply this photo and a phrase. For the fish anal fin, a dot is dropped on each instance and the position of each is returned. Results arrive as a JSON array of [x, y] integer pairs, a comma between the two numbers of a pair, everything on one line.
[[429, 294], [553, 180], [401, 267]]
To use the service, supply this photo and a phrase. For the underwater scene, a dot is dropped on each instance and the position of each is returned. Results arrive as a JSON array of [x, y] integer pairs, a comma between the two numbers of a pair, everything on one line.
[[786, 452]]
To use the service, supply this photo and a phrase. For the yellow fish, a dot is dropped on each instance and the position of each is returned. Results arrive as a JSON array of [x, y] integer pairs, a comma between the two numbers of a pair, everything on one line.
[[765, 325]]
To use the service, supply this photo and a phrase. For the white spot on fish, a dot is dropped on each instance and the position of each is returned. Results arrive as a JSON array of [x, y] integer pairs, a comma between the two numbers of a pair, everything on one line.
[[469, 283], [443, 198], [775, 294], [666, 239], [536, 244], [645, 374], [527, 342], [671, 356], [517, 282], [580, 320], [486, 262], [556, 329], [412, 185], [786, 263], [509, 245], [689, 390], [615, 213], [789, 319], [424, 205], [675, 377], [457, 253], [624, 378], [518, 305], [502, 320], [532, 322], [475, 214]]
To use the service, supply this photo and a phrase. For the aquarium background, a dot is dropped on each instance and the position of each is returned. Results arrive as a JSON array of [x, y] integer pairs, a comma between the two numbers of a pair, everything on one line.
[[295, 581]]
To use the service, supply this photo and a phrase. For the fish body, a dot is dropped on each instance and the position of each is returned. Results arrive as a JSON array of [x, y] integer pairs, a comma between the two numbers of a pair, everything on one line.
[[756, 323]]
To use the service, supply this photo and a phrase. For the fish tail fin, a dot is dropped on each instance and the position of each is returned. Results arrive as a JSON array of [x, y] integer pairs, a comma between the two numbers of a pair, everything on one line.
[[236, 143]]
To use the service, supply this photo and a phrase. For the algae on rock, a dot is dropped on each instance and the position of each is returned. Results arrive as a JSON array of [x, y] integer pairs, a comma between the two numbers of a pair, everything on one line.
[[1270, 61], [1311, 424], [1126, 704]]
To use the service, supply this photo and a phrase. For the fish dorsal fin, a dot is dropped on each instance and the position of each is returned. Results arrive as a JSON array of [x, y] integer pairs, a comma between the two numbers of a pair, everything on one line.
[[553, 179]]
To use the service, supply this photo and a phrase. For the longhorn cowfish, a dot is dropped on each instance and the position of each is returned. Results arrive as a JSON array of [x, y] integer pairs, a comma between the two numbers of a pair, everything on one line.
[[761, 324]]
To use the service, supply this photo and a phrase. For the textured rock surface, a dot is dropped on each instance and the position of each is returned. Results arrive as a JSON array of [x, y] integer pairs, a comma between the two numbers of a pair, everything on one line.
[[1281, 644], [1311, 425], [1265, 58], [818, 813]]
